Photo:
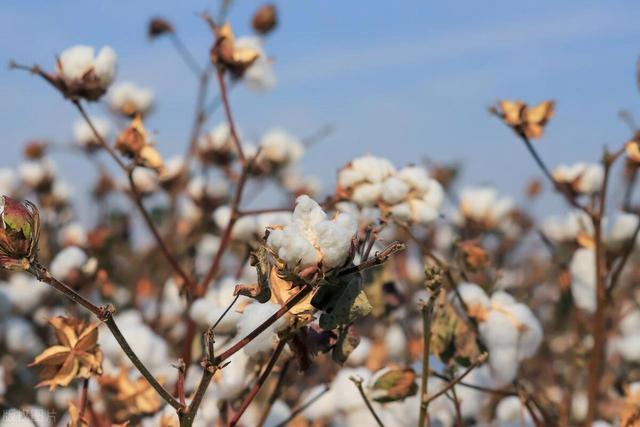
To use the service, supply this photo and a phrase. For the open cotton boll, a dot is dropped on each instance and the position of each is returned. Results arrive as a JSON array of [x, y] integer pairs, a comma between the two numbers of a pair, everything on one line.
[[334, 239], [474, 295], [145, 180], [621, 231], [20, 337], [279, 413], [259, 76], [473, 401], [199, 189], [76, 61], [24, 292], [83, 135], [173, 305], [510, 412], [73, 234], [630, 323], [483, 205], [245, 229], [579, 406], [583, 279], [206, 311], [67, 261], [530, 331], [8, 181], [105, 66], [583, 177], [394, 190], [629, 347], [367, 194], [361, 352], [345, 393], [253, 316], [205, 251], [36, 172], [280, 147], [128, 98], [395, 342], [501, 336], [234, 377]]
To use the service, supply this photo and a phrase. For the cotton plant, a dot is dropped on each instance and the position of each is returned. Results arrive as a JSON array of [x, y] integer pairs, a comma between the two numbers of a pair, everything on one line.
[[277, 151], [485, 207], [85, 138], [217, 146], [581, 178], [509, 328], [128, 99]]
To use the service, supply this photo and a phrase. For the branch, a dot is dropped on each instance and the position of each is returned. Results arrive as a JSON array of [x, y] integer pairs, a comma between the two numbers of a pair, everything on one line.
[[452, 384], [105, 314], [227, 110], [258, 385], [302, 407], [358, 383], [427, 316], [185, 54], [275, 393]]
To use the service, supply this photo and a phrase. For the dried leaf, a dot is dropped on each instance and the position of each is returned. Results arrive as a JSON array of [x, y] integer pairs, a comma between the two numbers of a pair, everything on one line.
[[341, 303], [348, 340], [393, 384]]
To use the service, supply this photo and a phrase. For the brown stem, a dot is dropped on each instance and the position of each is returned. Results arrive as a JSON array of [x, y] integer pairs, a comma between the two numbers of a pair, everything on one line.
[[451, 384], [258, 385], [227, 110], [83, 398], [427, 316], [137, 199], [358, 383], [379, 258], [474, 386], [182, 368], [105, 314], [184, 53]]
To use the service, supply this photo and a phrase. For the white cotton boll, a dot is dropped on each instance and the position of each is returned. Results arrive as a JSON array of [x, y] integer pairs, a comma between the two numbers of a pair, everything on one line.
[[591, 179], [76, 61], [35, 172], [402, 212], [83, 135], [423, 212], [73, 234], [105, 66], [245, 228], [7, 181], [323, 407], [280, 147], [473, 295], [128, 98], [20, 337], [374, 169], [334, 240], [395, 341], [367, 194], [601, 423], [472, 401], [254, 315], [173, 305], [273, 219], [67, 261], [279, 413], [416, 177], [501, 209], [394, 190], [583, 279], [345, 392], [146, 180], [221, 216], [259, 76], [25, 292], [630, 323], [511, 413], [621, 231], [293, 248], [530, 331], [361, 352], [477, 202], [307, 212], [501, 336], [629, 347], [579, 406], [349, 177], [502, 299], [234, 377], [61, 397]]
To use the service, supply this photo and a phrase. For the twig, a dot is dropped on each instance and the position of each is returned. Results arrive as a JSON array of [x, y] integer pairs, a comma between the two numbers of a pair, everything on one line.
[[184, 53], [427, 316], [451, 384], [83, 398], [377, 259], [275, 393], [105, 314], [358, 383], [227, 110], [180, 383], [258, 385]]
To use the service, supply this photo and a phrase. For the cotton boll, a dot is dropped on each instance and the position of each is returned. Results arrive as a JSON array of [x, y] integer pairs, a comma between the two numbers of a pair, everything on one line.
[[128, 98], [280, 147], [323, 407], [37, 172], [472, 401], [423, 212], [83, 135], [416, 177], [394, 190], [234, 377], [510, 412], [361, 352], [254, 315], [483, 205], [245, 228], [24, 292], [591, 179], [307, 213], [76, 61], [259, 76], [145, 180], [67, 261], [7, 181], [630, 323], [473, 295], [583, 279], [374, 169], [20, 337], [395, 341], [629, 347], [273, 219], [334, 240], [279, 413], [531, 331], [501, 336], [105, 66], [402, 212], [579, 406], [205, 251], [293, 248], [621, 231], [367, 194], [73, 234]]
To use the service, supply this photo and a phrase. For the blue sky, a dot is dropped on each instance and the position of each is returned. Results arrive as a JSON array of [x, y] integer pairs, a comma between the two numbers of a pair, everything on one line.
[[404, 80]]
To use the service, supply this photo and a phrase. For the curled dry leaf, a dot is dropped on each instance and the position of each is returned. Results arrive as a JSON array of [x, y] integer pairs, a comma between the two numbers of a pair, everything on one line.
[[127, 398], [133, 142], [76, 356], [392, 384], [523, 119]]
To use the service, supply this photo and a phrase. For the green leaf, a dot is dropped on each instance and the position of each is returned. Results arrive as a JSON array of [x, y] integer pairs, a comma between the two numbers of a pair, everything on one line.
[[342, 305], [348, 340]]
